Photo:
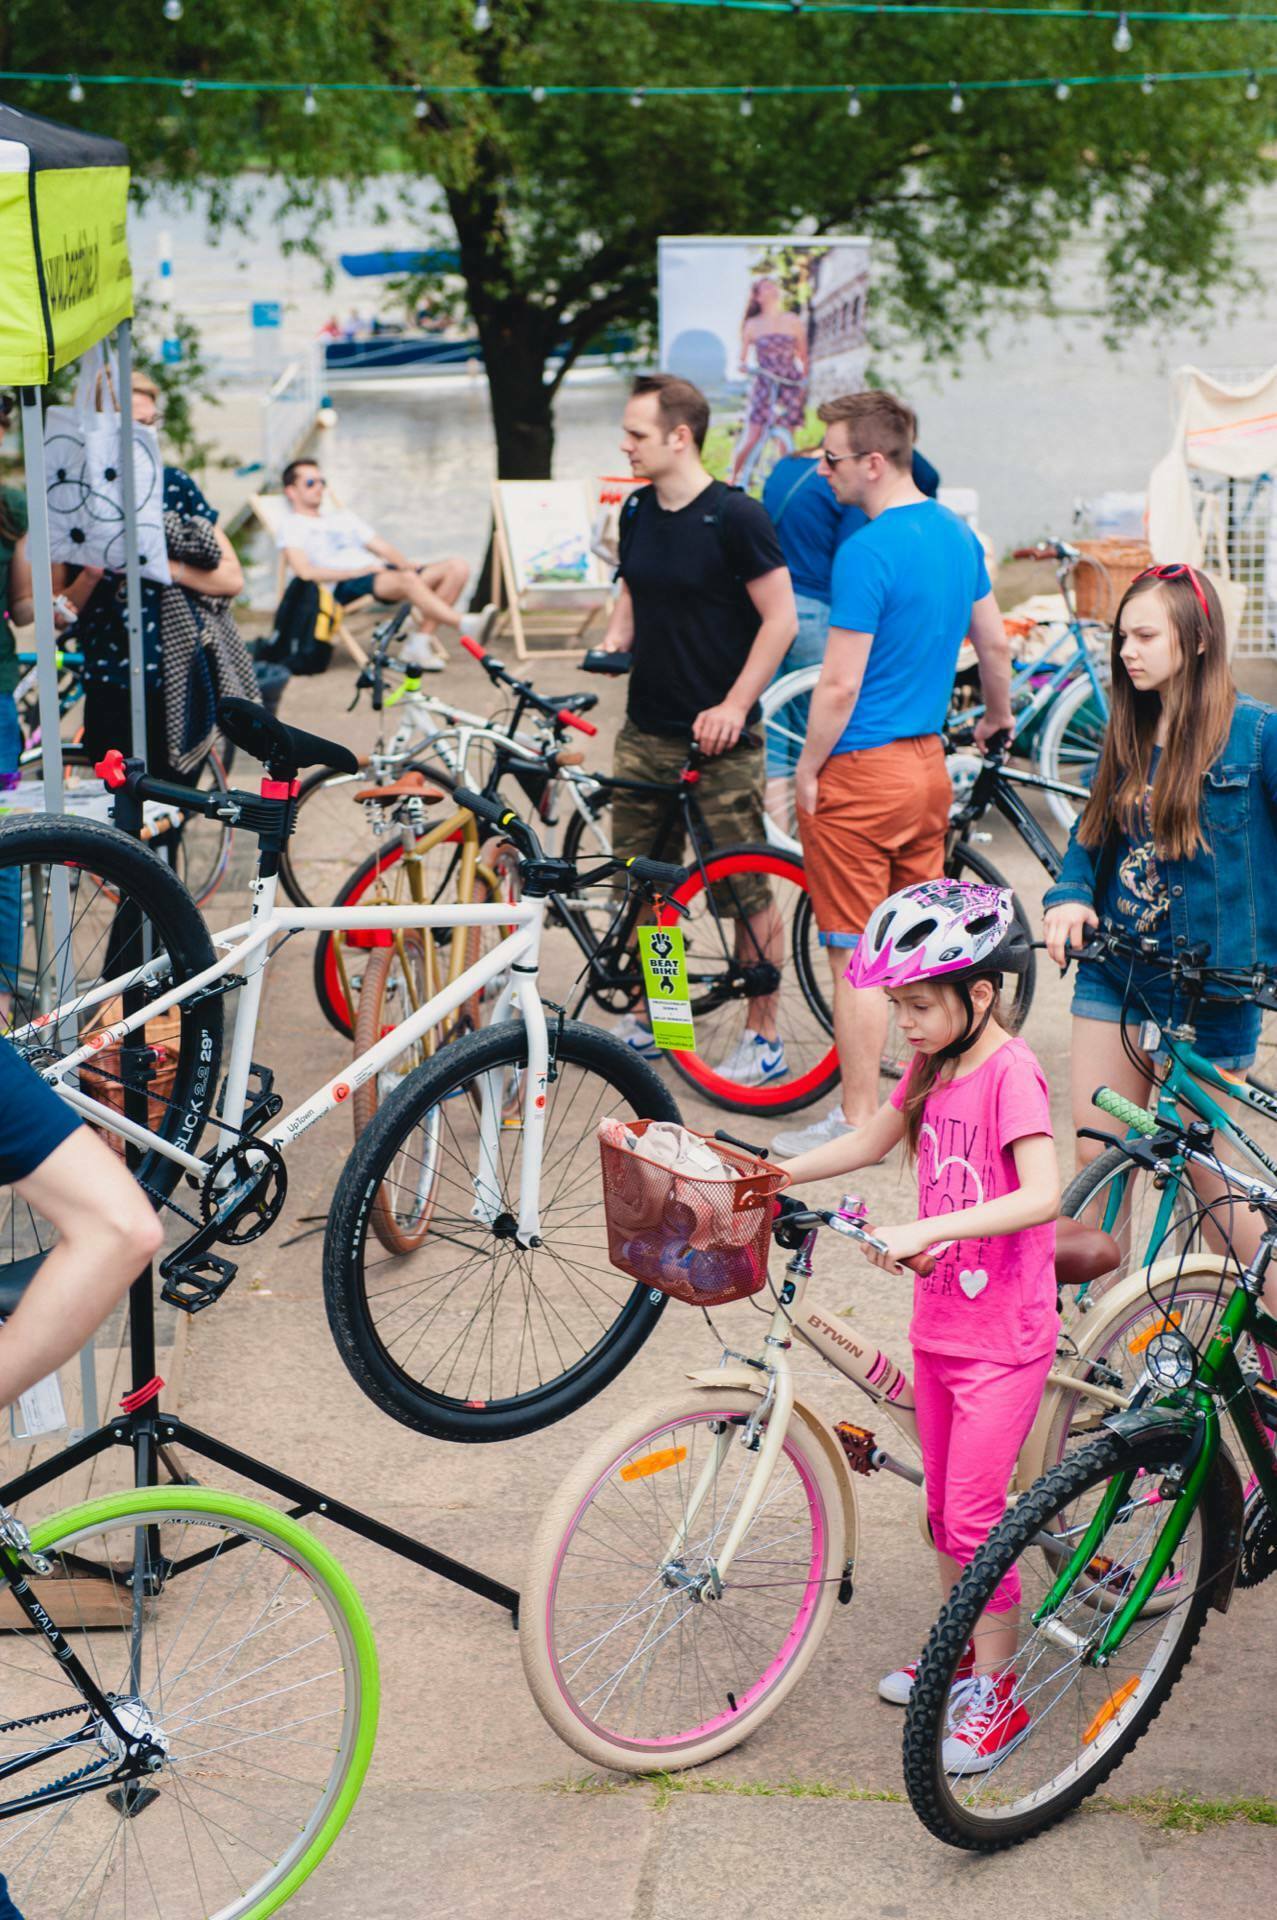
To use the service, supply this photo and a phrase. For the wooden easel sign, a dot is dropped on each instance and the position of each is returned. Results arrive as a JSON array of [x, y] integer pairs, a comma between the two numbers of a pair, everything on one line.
[[550, 583]]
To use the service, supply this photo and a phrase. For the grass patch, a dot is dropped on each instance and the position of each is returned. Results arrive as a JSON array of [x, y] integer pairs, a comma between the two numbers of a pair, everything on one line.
[[1189, 1813]]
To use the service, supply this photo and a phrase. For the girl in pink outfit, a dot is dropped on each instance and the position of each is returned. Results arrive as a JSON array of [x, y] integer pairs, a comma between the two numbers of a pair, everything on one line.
[[974, 1113]]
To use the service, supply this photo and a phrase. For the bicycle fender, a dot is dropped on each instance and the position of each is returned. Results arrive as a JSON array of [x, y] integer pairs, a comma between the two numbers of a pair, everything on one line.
[[1132, 1423], [819, 1430]]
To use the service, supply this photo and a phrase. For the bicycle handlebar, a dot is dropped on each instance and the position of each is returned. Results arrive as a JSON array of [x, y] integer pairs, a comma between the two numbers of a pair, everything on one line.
[[566, 718], [562, 712], [1129, 1112], [1256, 983], [1047, 550]]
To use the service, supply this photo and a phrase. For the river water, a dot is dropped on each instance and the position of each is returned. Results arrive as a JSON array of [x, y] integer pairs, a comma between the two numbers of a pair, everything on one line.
[[1043, 415]]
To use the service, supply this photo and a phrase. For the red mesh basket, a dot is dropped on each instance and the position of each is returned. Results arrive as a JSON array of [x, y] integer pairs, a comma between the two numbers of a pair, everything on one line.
[[703, 1241]]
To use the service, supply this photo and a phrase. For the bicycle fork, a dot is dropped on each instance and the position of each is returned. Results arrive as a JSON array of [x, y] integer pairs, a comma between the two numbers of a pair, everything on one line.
[[527, 1117]]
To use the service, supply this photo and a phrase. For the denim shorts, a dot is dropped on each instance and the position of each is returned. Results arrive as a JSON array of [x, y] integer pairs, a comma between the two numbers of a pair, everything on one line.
[[1227, 1030]]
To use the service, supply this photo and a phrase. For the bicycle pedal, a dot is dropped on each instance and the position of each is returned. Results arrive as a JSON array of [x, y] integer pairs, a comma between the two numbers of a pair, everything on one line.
[[195, 1284], [859, 1446], [262, 1102]]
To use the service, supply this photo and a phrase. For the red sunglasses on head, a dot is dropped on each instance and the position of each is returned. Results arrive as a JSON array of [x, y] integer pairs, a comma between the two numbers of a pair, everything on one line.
[[1176, 570]]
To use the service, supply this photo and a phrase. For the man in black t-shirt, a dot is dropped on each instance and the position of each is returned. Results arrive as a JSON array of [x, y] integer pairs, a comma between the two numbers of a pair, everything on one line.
[[706, 608]]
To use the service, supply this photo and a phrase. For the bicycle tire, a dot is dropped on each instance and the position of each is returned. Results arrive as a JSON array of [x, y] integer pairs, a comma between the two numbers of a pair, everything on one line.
[[817, 1065], [1119, 1726], [369, 1321], [195, 1835], [1100, 1192], [129, 871], [746, 1650], [780, 820], [1069, 743]]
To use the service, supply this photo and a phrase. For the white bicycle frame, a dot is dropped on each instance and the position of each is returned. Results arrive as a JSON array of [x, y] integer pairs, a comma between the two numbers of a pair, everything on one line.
[[245, 947]]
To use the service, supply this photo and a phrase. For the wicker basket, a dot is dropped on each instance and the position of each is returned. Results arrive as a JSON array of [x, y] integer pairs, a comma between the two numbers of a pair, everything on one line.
[[1105, 571], [101, 1080], [702, 1241]]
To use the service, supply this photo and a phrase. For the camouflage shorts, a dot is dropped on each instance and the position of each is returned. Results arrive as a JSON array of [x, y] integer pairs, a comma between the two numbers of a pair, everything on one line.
[[729, 794]]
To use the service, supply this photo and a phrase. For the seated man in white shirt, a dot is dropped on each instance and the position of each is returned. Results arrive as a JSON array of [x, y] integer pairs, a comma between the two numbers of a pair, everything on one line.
[[341, 551]]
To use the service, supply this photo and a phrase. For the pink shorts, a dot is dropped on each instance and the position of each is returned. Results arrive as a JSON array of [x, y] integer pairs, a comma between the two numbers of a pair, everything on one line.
[[973, 1418]]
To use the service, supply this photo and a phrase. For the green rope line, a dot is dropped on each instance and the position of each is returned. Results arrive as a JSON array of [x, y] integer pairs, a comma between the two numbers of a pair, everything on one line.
[[551, 90], [1133, 19]]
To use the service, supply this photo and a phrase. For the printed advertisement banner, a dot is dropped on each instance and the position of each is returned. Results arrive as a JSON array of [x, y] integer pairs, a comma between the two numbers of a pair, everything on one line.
[[768, 327]]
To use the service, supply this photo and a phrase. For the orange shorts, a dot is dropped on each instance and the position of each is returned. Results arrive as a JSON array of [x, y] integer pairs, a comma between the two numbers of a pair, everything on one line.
[[882, 814]]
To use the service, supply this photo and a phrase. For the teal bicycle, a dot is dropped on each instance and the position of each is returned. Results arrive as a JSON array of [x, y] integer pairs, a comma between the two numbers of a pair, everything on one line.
[[1149, 1217], [1120, 1552]]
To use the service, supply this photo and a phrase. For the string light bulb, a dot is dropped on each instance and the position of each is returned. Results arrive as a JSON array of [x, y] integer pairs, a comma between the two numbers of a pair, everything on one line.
[[854, 108], [482, 18], [1147, 84], [538, 95], [188, 89], [747, 103], [75, 92], [1122, 41], [956, 101], [309, 102], [420, 104], [1062, 89], [638, 96], [1252, 85], [172, 9]]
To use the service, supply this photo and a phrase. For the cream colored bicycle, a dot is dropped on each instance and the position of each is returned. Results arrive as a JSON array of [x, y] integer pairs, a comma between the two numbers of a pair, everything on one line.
[[686, 1570]]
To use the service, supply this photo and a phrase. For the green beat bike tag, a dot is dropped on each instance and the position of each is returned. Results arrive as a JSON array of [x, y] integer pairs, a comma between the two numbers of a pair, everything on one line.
[[669, 1003]]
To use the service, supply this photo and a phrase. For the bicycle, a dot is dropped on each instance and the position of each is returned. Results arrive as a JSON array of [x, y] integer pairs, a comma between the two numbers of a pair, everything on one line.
[[120, 983], [776, 439], [1153, 1508], [687, 1567], [1059, 707]]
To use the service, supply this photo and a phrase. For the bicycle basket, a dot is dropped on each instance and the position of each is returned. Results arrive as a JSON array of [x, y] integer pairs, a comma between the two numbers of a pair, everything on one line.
[[102, 1080], [699, 1240]]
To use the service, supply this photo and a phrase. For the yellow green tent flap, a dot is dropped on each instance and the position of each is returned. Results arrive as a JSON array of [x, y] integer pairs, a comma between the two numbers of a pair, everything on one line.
[[65, 280]]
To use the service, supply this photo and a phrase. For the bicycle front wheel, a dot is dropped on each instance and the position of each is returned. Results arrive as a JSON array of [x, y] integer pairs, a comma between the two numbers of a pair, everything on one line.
[[748, 963], [470, 1336], [626, 1660], [1056, 1724], [1069, 744], [237, 1643], [786, 704]]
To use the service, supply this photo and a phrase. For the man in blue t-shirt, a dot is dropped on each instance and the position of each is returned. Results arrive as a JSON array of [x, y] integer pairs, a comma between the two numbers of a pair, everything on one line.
[[871, 787]]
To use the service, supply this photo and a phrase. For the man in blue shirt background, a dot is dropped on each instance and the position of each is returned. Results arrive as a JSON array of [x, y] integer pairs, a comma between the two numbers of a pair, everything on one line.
[[871, 787]]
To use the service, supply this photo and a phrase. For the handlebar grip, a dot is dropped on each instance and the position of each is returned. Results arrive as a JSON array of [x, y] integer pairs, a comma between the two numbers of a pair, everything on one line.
[[1033, 553], [1131, 1115], [482, 808], [473, 648], [922, 1264], [566, 718], [661, 874]]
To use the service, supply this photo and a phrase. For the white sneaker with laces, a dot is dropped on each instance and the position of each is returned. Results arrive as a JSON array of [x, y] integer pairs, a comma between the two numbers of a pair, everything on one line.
[[791, 1141], [478, 626], [637, 1036], [753, 1060], [419, 652], [993, 1725]]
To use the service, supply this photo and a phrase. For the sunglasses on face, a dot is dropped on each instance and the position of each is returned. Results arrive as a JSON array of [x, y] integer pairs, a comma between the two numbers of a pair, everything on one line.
[[316, 480], [1177, 570], [836, 459]]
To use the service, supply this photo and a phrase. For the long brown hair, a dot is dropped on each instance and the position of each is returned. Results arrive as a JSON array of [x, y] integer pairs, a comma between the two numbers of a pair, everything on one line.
[[927, 1067], [1198, 702]]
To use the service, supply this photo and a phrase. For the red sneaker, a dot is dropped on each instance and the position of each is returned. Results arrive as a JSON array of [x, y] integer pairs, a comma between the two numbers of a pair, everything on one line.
[[897, 1687], [995, 1721]]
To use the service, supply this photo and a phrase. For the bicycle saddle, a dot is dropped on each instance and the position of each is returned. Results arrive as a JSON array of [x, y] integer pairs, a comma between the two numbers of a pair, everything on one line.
[[282, 749], [409, 786], [1083, 1253]]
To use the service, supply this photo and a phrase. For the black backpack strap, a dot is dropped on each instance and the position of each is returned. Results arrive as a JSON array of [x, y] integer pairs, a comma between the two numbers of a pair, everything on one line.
[[717, 518], [625, 526]]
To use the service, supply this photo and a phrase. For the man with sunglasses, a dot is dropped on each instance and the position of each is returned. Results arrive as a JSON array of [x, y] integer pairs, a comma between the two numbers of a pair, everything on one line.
[[872, 790], [338, 549]]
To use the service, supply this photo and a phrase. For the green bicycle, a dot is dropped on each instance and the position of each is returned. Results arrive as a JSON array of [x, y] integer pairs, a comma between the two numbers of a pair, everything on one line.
[[1120, 1551]]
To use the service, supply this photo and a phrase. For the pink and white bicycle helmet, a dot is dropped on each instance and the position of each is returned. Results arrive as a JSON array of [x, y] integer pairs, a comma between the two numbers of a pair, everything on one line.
[[939, 930]]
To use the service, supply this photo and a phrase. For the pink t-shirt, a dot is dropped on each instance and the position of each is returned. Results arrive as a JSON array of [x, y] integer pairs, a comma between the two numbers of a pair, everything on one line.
[[989, 1299]]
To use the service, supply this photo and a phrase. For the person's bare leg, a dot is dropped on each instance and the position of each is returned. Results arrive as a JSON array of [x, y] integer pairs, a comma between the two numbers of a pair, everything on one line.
[[761, 935], [861, 1019], [1098, 1059], [396, 584], [744, 450], [447, 578]]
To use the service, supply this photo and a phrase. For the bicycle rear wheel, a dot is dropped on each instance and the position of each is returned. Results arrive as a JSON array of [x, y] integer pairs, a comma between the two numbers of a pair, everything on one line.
[[129, 921], [1079, 1720], [469, 1337], [785, 707], [735, 965], [1069, 745], [625, 1660], [236, 1641]]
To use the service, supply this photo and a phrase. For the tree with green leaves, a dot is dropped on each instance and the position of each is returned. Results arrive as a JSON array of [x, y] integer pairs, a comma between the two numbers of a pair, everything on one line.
[[557, 200]]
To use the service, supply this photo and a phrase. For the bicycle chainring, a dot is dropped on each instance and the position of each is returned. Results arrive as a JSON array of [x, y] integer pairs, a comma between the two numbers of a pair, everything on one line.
[[258, 1184], [1259, 1542]]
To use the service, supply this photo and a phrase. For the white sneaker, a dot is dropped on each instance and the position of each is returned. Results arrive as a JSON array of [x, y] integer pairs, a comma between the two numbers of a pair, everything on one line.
[[478, 626], [637, 1036], [753, 1060], [897, 1688], [419, 652], [791, 1141]]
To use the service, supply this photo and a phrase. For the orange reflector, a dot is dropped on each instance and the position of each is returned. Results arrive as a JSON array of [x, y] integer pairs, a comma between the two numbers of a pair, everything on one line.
[[654, 1463], [1142, 1340], [1111, 1706]]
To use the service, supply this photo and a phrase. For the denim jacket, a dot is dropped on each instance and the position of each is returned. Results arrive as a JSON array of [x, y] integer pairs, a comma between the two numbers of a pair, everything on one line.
[[1226, 893]]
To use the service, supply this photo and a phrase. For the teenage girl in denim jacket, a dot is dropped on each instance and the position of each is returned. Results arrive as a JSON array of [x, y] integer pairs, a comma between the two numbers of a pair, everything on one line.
[[1178, 841]]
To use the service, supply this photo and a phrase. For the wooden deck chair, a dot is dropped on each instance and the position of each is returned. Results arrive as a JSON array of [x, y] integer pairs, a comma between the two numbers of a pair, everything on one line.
[[548, 583], [269, 510]]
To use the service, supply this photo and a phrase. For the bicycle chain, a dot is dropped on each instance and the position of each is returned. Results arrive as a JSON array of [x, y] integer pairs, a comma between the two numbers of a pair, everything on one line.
[[38, 1719]]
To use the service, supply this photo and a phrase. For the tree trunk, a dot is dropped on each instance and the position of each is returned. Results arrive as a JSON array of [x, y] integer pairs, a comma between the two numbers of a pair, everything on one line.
[[522, 406]]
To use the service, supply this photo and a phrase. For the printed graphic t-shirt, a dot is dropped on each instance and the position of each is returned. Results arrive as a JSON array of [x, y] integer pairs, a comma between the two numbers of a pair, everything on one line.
[[910, 578], [336, 539], [987, 1299]]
